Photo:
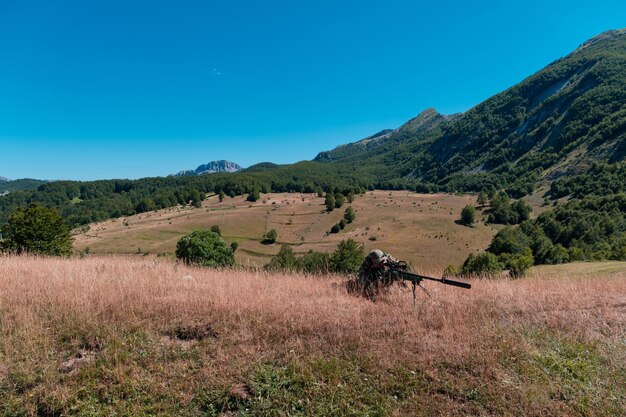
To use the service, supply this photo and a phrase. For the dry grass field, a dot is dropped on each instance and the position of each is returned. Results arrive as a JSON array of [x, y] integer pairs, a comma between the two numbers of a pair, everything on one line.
[[104, 336], [419, 228]]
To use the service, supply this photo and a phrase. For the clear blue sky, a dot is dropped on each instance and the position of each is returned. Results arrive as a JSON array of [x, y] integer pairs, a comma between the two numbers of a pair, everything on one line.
[[126, 89]]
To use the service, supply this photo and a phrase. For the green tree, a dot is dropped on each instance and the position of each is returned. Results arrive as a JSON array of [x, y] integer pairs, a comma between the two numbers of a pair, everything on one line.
[[482, 199], [254, 195], [37, 230], [145, 205], [468, 215], [340, 200], [284, 260], [349, 215], [347, 258], [315, 263], [330, 202], [204, 248], [518, 264], [270, 236], [221, 195], [216, 229], [335, 229], [234, 246], [483, 264]]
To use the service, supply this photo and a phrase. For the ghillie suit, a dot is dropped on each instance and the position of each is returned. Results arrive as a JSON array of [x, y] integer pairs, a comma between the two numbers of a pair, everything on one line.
[[379, 271], [374, 276]]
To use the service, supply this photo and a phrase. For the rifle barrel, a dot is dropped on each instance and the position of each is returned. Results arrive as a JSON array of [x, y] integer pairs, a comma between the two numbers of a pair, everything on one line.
[[412, 277]]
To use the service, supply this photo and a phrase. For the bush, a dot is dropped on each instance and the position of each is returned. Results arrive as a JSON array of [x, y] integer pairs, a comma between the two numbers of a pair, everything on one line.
[[37, 230], [234, 246], [204, 248], [216, 229], [315, 263], [468, 215], [518, 264], [284, 260], [335, 229], [340, 199], [330, 202], [348, 257], [349, 215], [253, 196], [270, 237], [483, 264], [342, 224]]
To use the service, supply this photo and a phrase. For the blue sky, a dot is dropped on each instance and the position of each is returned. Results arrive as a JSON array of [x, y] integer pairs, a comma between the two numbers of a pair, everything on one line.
[[128, 89]]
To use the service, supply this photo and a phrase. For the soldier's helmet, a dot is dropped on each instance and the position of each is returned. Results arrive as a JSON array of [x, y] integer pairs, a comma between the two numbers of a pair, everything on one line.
[[375, 259]]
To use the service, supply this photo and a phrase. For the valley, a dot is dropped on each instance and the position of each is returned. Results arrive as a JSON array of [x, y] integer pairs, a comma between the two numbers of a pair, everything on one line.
[[419, 228]]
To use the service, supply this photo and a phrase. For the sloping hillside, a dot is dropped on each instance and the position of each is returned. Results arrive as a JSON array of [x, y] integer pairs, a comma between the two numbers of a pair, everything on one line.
[[555, 122]]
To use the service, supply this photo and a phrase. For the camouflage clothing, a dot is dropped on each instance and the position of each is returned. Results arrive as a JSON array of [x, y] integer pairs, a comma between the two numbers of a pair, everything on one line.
[[374, 274]]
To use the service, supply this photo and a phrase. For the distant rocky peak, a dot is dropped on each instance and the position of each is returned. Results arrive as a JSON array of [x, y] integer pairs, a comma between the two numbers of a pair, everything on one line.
[[212, 167]]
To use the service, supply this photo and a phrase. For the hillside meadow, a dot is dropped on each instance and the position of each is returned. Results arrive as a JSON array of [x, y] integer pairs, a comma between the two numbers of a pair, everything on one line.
[[419, 228], [105, 336]]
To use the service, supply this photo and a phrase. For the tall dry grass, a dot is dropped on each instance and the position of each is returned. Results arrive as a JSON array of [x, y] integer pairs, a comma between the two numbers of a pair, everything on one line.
[[51, 307]]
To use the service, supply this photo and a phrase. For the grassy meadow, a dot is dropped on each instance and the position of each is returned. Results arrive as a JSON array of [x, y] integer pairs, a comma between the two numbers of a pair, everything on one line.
[[105, 336], [419, 228]]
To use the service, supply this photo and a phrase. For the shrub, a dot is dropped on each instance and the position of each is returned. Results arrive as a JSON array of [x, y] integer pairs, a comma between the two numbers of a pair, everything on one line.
[[253, 196], [284, 260], [340, 199], [204, 248], [330, 202], [234, 246], [315, 263], [221, 196], [38, 230], [482, 199], [468, 215], [216, 229], [349, 215], [342, 224], [483, 264], [348, 257], [270, 237], [518, 264], [335, 229]]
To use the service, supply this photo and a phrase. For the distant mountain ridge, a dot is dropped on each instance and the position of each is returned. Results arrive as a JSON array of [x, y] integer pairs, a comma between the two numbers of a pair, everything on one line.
[[211, 168], [7, 185]]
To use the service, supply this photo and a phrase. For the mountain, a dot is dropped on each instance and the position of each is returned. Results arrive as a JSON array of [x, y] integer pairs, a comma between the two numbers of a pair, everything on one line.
[[554, 123], [211, 168]]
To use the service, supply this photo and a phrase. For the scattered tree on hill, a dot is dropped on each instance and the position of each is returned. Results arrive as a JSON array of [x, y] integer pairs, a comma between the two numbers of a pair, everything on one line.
[[270, 236], [347, 258], [315, 263], [468, 215], [204, 248], [330, 202], [234, 246], [254, 195], [340, 199], [216, 229], [284, 260], [221, 195], [483, 264], [482, 199], [36, 230], [349, 215]]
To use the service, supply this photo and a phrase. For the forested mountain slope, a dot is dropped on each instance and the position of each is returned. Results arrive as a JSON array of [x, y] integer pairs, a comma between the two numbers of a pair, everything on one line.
[[555, 122]]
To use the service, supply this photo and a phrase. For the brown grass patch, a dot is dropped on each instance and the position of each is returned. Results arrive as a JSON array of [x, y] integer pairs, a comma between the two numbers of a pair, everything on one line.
[[486, 339]]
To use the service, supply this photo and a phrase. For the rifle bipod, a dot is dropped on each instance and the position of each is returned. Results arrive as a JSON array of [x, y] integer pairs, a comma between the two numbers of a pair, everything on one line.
[[416, 284]]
